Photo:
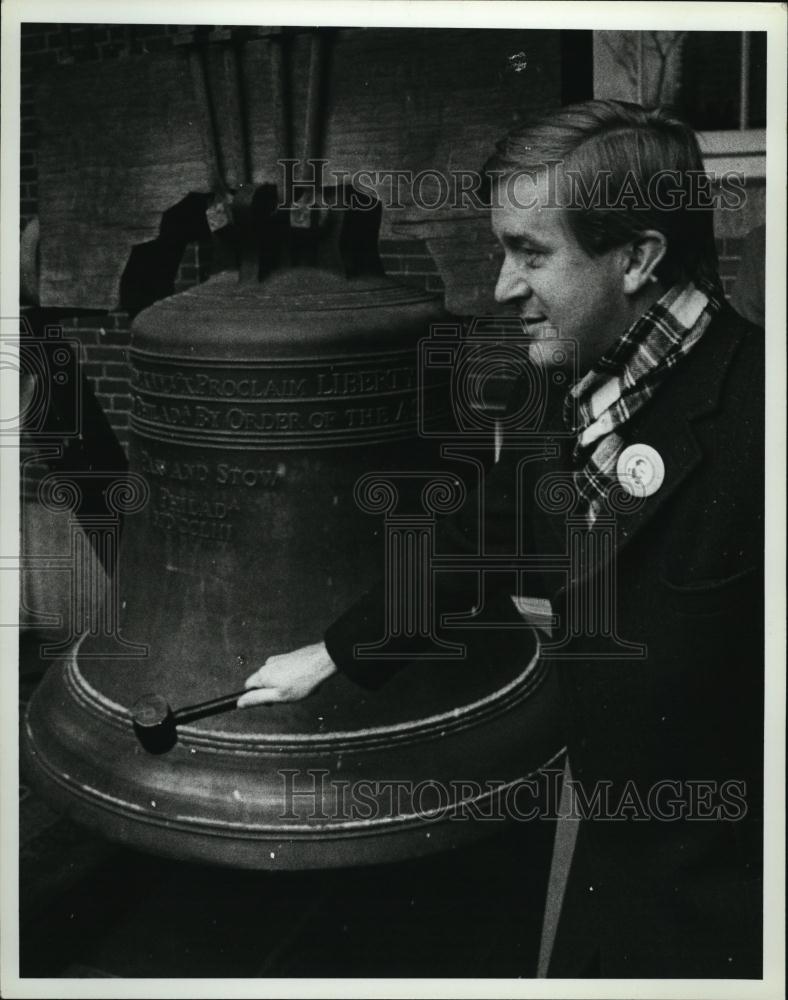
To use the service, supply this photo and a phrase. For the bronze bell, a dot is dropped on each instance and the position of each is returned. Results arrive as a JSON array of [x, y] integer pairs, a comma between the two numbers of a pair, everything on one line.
[[260, 400]]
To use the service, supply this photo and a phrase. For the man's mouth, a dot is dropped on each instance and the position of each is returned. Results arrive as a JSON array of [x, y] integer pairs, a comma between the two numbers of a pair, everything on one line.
[[536, 325]]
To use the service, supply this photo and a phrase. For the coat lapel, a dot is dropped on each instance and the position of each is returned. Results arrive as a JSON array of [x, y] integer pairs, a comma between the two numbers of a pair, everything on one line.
[[667, 425]]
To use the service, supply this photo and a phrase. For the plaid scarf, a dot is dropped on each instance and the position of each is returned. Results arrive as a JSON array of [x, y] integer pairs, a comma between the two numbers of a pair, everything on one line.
[[625, 378]]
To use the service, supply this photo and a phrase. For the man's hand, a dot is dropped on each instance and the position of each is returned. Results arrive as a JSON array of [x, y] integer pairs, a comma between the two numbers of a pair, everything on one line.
[[289, 676]]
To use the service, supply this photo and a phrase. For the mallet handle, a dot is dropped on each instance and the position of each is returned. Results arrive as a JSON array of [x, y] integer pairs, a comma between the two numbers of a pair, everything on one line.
[[220, 704]]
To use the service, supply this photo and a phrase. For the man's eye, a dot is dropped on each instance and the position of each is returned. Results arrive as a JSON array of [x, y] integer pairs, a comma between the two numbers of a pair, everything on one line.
[[532, 258]]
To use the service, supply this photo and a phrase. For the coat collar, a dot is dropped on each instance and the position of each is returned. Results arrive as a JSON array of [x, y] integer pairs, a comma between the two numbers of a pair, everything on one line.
[[691, 394]]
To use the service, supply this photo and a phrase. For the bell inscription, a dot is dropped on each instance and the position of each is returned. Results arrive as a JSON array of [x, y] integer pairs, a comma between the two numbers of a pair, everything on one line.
[[308, 404]]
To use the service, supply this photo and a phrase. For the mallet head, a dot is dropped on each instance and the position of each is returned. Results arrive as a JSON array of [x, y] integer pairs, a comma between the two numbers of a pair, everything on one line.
[[154, 723]]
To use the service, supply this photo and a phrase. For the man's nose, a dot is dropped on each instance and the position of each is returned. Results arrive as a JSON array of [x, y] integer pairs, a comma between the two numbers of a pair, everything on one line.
[[511, 283]]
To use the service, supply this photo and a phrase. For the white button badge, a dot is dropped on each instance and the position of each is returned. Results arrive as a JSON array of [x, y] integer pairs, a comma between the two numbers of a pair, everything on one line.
[[640, 470]]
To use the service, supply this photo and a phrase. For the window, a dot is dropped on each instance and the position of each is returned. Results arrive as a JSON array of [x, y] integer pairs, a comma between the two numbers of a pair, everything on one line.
[[716, 80]]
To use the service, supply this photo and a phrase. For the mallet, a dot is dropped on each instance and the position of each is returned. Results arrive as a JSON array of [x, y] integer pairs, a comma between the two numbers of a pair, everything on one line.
[[155, 723]]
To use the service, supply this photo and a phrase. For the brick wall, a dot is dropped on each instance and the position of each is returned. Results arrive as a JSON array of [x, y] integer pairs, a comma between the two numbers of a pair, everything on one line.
[[105, 340], [409, 261], [46, 45]]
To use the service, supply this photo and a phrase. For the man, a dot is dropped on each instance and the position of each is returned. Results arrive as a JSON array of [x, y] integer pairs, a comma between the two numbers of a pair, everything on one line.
[[606, 239]]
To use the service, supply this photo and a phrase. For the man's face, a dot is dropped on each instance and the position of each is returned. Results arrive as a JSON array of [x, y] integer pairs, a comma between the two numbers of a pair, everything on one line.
[[548, 277]]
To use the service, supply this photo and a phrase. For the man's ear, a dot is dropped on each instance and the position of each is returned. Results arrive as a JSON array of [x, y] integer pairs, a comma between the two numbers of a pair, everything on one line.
[[644, 255]]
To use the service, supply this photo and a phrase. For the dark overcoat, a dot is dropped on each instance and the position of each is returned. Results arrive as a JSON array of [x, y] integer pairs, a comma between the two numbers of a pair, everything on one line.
[[664, 713]]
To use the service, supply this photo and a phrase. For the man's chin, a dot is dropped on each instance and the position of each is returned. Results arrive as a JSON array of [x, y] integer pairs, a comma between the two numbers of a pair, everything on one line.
[[542, 350]]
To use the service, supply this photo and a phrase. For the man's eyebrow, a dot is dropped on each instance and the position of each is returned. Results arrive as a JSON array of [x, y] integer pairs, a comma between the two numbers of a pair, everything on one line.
[[522, 241]]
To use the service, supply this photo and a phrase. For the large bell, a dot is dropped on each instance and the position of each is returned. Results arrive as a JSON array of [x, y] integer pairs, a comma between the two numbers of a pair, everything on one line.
[[259, 404]]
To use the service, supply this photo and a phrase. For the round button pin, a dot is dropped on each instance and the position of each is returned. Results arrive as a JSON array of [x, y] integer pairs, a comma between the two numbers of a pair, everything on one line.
[[640, 470]]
